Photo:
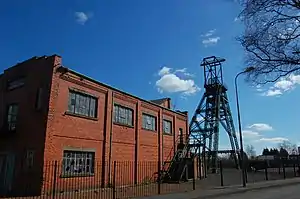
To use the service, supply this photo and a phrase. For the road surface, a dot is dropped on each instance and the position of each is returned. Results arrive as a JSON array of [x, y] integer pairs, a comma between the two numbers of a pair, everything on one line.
[[288, 192]]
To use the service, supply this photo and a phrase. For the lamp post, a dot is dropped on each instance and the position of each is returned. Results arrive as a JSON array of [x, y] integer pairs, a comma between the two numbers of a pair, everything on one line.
[[248, 69]]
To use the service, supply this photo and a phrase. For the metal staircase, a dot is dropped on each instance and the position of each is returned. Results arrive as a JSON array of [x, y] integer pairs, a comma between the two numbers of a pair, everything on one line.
[[175, 170]]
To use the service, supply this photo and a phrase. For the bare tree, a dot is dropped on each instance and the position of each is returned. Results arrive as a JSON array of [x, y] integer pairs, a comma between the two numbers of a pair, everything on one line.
[[289, 147], [250, 151], [271, 38]]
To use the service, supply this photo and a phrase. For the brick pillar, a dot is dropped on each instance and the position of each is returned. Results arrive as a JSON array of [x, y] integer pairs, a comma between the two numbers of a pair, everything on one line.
[[137, 128], [49, 148], [160, 135], [187, 126], [106, 136], [109, 137], [175, 133]]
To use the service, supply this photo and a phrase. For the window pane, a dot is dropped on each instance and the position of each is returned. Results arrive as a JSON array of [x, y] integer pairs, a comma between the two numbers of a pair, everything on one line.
[[81, 104], [116, 113], [144, 121], [92, 107], [77, 103], [153, 124], [167, 127], [12, 116], [88, 107], [14, 109], [130, 113], [71, 103], [122, 112]]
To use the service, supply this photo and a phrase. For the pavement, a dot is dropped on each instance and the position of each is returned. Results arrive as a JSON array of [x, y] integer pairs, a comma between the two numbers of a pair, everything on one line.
[[228, 191], [290, 192]]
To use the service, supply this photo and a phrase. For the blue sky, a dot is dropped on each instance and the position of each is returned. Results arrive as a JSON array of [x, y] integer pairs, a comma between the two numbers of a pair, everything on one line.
[[151, 49]]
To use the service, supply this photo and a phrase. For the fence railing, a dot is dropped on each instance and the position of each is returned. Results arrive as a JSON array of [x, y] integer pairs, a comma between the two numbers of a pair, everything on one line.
[[129, 179]]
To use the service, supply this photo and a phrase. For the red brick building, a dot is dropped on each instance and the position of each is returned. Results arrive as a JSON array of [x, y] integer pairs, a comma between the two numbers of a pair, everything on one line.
[[51, 113]]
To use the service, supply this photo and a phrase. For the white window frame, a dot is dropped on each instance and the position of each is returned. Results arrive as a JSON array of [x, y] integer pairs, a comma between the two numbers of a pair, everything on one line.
[[148, 122], [78, 163], [16, 83], [82, 104], [170, 131], [12, 116], [123, 115]]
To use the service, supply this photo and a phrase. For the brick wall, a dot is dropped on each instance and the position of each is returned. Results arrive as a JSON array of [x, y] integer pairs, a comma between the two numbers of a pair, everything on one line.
[[1, 100], [31, 122], [54, 130], [128, 143]]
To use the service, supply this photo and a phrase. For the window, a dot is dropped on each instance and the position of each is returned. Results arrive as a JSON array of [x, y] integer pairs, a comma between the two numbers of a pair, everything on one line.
[[180, 135], [29, 158], [149, 122], [78, 163], [38, 100], [180, 132], [123, 115], [82, 104], [167, 126], [12, 114], [15, 83]]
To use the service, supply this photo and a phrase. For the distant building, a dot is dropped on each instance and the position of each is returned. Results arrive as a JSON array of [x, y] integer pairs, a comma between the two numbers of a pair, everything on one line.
[[265, 157]]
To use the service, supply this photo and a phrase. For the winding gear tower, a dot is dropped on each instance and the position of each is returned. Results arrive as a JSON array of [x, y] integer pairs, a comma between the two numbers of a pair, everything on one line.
[[204, 128], [212, 111]]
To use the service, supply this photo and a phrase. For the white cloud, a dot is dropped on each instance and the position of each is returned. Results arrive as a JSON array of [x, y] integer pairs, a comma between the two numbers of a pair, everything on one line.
[[164, 71], [209, 33], [261, 127], [285, 84], [184, 72], [250, 134], [273, 140], [81, 17], [209, 38], [270, 92], [172, 83], [211, 41]]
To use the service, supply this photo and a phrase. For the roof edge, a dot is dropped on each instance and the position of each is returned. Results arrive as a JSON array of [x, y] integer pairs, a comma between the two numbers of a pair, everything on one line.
[[118, 90]]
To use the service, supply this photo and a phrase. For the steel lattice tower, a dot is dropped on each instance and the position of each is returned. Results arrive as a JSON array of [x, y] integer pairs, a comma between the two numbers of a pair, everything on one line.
[[212, 111]]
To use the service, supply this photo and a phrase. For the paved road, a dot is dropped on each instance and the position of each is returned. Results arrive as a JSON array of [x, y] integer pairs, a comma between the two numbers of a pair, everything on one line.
[[288, 192]]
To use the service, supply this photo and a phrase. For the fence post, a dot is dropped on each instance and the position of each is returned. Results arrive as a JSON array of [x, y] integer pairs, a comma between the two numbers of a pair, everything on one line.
[[283, 169], [200, 169], [246, 175], [266, 170], [298, 171], [114, 179], [54, 179], [221, 173], [194, 174], [159, 178]]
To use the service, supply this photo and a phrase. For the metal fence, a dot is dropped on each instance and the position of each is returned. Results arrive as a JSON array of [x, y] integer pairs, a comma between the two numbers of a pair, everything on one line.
[[133, 179]]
